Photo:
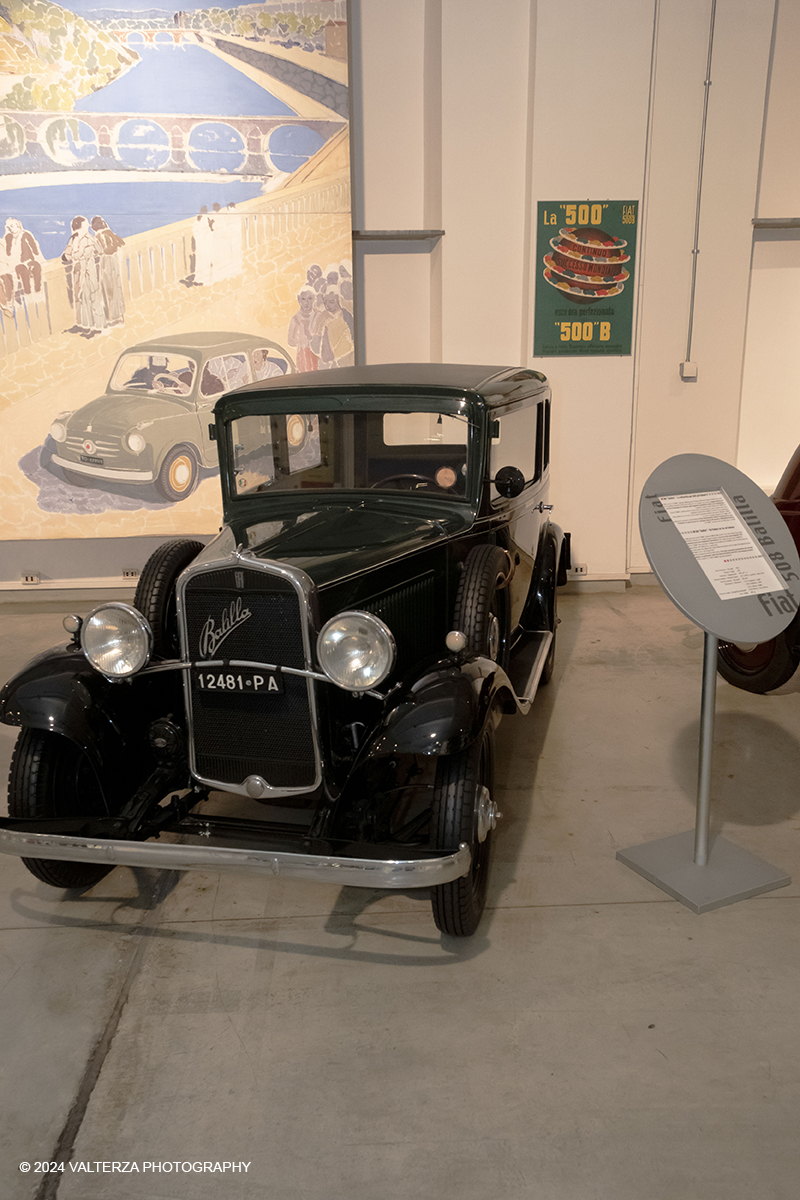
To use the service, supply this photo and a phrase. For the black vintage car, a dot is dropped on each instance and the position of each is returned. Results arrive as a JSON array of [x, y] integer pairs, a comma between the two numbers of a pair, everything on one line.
[[315, 692]]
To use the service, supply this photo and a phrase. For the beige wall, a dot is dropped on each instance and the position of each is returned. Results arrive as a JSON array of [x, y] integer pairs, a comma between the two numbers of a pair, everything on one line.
[[537, 102], [770, 417]]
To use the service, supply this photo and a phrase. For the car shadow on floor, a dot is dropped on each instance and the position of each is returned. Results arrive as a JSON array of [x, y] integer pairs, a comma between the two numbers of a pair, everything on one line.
[[520, 742], [44, 906]]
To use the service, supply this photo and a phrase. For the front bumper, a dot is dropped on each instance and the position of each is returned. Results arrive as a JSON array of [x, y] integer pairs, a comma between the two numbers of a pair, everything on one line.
[[119, 473], [339, 869]]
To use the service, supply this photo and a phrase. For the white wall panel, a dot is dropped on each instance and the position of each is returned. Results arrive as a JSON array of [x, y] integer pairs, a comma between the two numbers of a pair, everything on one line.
[[589, 140], [389, 62], [779, 192], [675, 417], [484, 122], [769, 430], [473, 113]]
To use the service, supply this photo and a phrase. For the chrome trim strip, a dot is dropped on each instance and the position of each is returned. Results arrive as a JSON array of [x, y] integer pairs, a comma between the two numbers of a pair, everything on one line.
[[175, 664], [103, 472], [304, 587], [353, 872]]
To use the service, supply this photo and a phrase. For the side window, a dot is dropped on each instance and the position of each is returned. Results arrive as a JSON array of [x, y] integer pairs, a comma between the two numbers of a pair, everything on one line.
[[224, 373], [520, 442], [269, 362]]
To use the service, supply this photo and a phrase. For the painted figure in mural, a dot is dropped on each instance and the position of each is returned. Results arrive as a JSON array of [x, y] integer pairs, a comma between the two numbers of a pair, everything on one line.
[[316, 281], [266, 365], [332, 336], [24, 258], [80, 256], [108, 243], [204, 246], [6, 281], [300, 332], [227, 240], [346, 288]]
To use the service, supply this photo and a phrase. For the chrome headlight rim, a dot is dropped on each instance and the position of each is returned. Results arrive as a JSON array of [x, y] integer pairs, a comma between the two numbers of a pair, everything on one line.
[[135, 441], [381, 631], [141, 628]]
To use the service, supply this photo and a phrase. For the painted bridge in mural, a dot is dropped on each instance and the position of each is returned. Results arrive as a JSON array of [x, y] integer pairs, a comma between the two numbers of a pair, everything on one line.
[[156, 34], [44, 141]]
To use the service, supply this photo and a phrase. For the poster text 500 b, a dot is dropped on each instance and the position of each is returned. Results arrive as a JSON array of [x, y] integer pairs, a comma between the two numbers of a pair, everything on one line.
[[584, 331]]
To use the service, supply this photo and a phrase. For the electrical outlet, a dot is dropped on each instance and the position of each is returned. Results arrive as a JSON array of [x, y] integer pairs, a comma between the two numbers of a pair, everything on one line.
[[31, 577], [130, 573], [577, 570]]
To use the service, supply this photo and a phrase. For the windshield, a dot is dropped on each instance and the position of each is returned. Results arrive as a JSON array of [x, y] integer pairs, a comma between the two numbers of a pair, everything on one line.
[[424, 452], [172, 374]]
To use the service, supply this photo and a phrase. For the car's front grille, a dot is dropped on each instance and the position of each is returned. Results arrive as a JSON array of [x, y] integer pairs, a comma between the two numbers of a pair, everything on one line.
[[257, 616], [107, 448]]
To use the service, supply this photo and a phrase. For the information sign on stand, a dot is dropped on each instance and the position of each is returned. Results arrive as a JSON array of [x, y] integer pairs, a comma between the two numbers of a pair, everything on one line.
[[725, 557]]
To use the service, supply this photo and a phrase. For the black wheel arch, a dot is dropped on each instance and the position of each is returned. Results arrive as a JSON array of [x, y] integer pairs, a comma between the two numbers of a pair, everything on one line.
[[59, 692], [538, 612], [444, 712]]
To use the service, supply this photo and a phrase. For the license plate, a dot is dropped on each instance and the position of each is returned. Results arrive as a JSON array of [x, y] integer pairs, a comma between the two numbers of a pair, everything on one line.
[[88, 458], [248, 682]]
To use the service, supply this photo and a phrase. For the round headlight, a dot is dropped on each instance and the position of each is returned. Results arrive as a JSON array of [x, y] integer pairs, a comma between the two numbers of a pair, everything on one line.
[[58, 431], [356, 650], [117, 640], [135, 441]]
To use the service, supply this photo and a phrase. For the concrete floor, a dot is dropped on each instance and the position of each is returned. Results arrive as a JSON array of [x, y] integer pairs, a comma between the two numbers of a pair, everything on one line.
[[595, 1040]]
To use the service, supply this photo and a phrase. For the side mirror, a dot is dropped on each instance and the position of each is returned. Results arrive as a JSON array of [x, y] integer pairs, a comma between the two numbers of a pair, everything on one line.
[[509, 482]]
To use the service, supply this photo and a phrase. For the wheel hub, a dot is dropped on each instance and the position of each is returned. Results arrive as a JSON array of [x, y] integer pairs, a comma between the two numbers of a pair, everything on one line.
[[487, 814], [493, 640]]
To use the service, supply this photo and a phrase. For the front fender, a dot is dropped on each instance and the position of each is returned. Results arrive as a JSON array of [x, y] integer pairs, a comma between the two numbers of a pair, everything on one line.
[[444, 711], [538, 612], [59, 692]]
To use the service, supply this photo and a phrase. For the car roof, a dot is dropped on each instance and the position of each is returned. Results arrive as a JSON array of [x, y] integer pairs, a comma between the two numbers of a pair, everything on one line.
[[200, 341], [497, 385]]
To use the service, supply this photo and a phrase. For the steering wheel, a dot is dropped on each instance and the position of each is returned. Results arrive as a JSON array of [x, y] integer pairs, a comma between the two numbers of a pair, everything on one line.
[[405, 478], [166, 382]]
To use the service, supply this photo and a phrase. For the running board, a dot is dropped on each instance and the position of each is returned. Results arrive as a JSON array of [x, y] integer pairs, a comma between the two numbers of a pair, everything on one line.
[[527, 664]]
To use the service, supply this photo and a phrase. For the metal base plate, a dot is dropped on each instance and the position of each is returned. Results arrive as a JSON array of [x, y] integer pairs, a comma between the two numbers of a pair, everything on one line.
[[730, 874]]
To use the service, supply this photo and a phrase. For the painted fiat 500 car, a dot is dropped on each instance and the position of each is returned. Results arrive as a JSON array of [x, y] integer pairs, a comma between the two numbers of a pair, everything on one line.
[[151, 426], [313, 694]]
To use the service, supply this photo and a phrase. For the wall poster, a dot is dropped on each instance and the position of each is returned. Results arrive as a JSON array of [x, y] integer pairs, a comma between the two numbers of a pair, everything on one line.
[[174, 222], [585, 271]]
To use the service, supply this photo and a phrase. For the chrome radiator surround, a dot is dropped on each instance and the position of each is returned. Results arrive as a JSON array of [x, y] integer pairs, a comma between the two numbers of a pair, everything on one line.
[[304, 588]]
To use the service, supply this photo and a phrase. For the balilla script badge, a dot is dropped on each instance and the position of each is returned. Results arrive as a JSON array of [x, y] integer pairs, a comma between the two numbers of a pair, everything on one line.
[[212, 636]]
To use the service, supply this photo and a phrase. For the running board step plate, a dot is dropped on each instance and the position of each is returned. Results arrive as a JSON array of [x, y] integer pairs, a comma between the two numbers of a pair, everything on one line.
[[527, 664]]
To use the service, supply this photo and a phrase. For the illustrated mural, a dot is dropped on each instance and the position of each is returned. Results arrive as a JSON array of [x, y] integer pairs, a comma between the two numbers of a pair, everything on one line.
[[174, 222]]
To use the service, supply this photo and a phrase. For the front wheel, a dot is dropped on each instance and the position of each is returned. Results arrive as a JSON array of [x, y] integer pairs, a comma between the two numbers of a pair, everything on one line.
[[52, 777], [481, 608], [764, 668], [463, 810], [179, 473]]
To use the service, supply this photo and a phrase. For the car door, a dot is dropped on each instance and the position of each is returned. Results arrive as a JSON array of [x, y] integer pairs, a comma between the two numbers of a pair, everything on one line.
[[520, 438]]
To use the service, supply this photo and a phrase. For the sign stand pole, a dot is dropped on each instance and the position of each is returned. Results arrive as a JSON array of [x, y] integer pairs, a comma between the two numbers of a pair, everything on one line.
[[707, 714], [702, 874]]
